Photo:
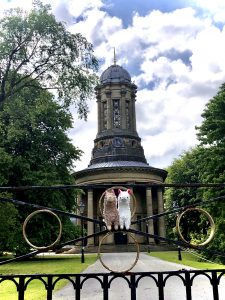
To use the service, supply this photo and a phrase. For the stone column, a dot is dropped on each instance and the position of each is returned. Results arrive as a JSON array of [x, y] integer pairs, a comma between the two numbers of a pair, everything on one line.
[[133, 118], [99, 115], [123, 109], [78, 211], [102, 114], [149, 208], [90, 214], [130, 240], [109, 111], [161, 220]]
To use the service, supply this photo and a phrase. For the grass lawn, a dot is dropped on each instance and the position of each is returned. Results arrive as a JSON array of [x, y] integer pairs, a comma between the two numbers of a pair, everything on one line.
[[188, 259], [43, 265]]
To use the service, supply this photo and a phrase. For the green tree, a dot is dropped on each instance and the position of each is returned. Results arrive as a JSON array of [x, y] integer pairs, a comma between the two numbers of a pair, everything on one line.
[[211, 135], [206, 164], [9, 227], [212, 138], [36, 150], [38, 55], [37, 47], [184, 169]]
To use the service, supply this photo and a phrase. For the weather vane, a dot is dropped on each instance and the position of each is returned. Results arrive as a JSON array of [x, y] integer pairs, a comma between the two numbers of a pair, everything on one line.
[[114, 56]]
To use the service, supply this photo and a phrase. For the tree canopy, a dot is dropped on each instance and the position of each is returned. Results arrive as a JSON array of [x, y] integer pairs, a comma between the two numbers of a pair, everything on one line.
[[211, 135], [36, 47], [211, 132], [206, 164], [35, 149], [43, 69]]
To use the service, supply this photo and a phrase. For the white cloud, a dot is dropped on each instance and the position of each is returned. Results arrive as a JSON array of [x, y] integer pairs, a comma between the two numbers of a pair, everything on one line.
[[168, 111], [215, 8], [98, 27], [78, 8], [176, 59]]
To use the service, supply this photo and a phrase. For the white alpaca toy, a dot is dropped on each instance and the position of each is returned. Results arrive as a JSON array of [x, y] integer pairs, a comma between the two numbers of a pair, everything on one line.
[[124, 209]]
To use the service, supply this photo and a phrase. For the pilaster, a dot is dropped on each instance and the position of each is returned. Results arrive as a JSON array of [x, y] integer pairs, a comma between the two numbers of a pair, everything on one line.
[[90, 214], [149, 208], [133, 114], [78, 211], [99, 116], [161, 220], [130, 240], [108, 93], [123, 108]]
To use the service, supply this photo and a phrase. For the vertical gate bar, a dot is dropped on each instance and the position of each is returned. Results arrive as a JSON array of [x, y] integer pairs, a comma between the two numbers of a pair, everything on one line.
[[179, 253], [133, 286], [161, 286], [49, 288], [215, 286], [21, 288], [105, 287], [77, 294], [188, 286]]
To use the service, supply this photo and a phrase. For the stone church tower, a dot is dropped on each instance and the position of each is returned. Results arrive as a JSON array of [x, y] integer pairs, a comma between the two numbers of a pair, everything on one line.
[[118, 156]]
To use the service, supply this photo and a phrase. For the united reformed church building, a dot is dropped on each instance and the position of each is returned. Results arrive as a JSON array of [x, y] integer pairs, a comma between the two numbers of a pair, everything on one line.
[[118, 156]]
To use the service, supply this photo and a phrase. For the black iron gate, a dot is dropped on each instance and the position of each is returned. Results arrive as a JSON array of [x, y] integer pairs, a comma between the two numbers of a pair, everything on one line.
[[105, 280]]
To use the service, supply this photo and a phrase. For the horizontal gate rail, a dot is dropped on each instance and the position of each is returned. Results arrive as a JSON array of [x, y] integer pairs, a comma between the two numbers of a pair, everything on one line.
[[105, 279]]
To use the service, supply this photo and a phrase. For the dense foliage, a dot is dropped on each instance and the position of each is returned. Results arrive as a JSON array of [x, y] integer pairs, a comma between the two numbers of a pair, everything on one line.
[[36, 150], [37, 55], [205, 163], [37, 47], [8, 227], [183, 170]]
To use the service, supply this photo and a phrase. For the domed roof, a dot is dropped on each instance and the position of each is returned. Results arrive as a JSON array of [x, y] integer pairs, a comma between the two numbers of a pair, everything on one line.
[[115, 74]]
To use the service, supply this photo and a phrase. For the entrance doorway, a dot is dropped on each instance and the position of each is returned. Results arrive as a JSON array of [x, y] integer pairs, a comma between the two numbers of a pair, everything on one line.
[[120, 238]]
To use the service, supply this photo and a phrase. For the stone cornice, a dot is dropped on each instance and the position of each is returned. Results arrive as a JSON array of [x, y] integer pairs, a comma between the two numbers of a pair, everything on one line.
[[106, 135], [130, 85], [156, 171]]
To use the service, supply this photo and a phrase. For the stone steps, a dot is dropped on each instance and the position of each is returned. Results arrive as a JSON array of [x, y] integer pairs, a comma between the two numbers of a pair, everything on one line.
[[118, 248], [126, 248]]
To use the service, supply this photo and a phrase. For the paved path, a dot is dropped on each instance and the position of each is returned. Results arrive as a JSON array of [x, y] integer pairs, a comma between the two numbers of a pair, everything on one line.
[[147, 289]]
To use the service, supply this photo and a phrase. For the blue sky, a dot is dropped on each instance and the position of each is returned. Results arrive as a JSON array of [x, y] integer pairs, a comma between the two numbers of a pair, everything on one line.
[[124, 9], [174, 52]]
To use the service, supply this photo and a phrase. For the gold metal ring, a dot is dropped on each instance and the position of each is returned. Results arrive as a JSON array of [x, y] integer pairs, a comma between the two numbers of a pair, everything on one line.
[[212, 224], [134, 263], [123, 189], [27, 220]]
